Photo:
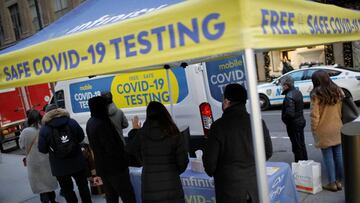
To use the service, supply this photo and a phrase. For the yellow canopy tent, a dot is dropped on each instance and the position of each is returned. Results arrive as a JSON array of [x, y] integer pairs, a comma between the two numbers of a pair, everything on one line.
[[189, 31]]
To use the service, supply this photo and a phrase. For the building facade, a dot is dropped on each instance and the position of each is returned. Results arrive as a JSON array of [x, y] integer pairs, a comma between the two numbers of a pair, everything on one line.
[[20, 19]]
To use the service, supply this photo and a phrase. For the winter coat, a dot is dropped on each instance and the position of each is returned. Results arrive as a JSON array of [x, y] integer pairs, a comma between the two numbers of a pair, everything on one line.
[[108, 148], [326, 123], [38, 166], [119, 120], [61, 167], [293, 108], [164, 159], [229, 155]]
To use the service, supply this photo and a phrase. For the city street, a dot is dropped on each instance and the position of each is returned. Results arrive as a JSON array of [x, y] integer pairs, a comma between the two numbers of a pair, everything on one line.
[[183, 55], [282, 153], [14, 177]]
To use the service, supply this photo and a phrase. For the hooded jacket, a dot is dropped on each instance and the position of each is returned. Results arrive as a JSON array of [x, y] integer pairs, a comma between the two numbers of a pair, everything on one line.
[[108, 148], [55, 119], [164, 159], [118, 118]]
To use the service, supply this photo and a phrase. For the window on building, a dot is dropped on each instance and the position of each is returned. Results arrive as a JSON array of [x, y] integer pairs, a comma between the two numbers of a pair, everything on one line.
[[15, 18], [60, 5], [34, 16], [2, 34]]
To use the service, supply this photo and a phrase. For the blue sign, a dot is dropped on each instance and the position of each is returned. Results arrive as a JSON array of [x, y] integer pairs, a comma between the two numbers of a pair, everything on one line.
[[223, 72], [198, 187], [81, 92]]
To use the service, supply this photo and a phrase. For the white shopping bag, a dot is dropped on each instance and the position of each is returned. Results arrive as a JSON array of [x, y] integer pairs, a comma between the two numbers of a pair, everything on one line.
[[307, 176]]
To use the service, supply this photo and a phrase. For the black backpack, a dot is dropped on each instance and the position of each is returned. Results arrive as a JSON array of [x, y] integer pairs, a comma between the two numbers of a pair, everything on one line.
[[63, 142]]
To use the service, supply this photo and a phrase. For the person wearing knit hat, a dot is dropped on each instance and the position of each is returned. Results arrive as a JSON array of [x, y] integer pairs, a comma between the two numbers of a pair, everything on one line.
[[293, 117], [229, 153], [50, 107]]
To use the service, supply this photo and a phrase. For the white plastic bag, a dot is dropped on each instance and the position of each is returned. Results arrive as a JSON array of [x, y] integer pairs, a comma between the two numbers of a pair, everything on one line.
[[307, 176], [197, 164]]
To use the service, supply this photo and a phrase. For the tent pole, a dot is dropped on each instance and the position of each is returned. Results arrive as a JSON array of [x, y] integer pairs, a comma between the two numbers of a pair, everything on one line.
[[256, 126], [170, 94]]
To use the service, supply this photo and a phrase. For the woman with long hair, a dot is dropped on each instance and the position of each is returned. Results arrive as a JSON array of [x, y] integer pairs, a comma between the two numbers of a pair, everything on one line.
[[163, 152], [38, 166], [326, 102]]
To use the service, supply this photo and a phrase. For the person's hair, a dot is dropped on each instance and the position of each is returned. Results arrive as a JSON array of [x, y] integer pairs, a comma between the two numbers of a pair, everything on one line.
[[27, 112], [107, 96], [157, 112], [287, 80], [325, 89], [34, 118]]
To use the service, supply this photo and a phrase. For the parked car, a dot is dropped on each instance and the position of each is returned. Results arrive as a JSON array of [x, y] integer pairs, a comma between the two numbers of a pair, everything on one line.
[[347, 78]]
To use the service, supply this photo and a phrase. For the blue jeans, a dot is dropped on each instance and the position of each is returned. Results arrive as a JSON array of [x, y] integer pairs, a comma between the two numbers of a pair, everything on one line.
[[333, 163]]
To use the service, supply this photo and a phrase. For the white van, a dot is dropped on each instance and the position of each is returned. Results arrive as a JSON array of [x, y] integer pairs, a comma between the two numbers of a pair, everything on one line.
[[195, 101]]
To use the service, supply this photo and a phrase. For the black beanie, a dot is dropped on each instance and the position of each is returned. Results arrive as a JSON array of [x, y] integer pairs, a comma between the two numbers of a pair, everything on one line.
[[235, 93], [50, 107]]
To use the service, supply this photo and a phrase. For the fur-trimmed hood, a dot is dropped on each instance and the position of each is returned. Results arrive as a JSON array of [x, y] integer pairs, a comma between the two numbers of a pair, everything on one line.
[[56, 113]]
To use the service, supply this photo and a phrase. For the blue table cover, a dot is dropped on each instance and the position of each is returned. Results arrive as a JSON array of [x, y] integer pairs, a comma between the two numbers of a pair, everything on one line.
[[200, 188]]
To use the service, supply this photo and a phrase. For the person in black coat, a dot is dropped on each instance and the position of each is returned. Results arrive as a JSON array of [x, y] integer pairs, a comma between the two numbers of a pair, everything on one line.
[[65, 168], [110, 159], [293, 116], [229, 153], [163, 153]]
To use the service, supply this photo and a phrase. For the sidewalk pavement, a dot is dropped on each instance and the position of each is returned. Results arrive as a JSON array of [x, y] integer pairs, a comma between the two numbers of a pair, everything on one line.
[[15, 188], [283, 153]]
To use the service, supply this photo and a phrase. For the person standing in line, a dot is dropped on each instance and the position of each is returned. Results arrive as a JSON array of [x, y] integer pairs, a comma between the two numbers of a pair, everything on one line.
[[38, 166], [60, 136], [116, 115], [229, 153], [110, 158], [293, 116], [163, 152], [326, 102]]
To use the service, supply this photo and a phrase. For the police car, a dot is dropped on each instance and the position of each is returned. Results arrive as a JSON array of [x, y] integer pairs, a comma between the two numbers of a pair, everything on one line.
[[347, 78]]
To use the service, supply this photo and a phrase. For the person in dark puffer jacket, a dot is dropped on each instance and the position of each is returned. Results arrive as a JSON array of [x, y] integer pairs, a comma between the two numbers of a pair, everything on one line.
[[293, 116], [164, 155]]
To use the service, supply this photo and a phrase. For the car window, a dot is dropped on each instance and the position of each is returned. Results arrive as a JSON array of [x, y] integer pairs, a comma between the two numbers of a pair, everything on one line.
[[59, 95], [297, 76], [309, 74], [333, 72]]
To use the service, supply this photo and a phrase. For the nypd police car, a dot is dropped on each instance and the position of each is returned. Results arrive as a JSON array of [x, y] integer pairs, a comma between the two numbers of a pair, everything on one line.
[[346, 78]]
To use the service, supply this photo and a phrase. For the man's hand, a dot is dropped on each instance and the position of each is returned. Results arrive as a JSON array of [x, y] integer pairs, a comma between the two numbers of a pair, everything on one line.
[[135, 122], [97, 181]]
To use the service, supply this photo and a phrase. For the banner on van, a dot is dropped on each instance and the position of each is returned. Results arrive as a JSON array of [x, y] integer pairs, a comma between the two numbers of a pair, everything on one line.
[[131, 90], [200, 28], [223, 72]]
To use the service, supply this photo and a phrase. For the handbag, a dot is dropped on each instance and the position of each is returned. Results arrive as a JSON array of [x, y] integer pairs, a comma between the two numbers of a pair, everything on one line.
[[28, 151], [349, 110]]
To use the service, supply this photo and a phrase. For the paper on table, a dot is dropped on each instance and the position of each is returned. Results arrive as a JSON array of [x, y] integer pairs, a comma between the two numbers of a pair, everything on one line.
[[271, 170]]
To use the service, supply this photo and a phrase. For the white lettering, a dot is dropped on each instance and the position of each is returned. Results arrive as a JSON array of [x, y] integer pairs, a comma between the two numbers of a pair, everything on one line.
[[110, 19]]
